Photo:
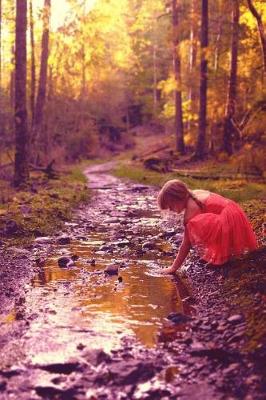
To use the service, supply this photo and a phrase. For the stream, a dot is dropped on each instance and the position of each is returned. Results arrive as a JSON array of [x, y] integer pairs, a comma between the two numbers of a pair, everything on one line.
[[97, 320], [101, 287]]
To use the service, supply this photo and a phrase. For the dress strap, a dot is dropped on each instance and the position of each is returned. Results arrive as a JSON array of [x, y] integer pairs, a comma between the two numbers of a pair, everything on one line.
[[197, 201]]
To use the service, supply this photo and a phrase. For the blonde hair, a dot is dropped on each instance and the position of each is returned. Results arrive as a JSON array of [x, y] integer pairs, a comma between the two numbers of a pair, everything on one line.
[[174, 191]]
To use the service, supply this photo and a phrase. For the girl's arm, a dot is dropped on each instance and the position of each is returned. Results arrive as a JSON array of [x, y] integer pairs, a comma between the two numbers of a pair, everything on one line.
[[181, 256]]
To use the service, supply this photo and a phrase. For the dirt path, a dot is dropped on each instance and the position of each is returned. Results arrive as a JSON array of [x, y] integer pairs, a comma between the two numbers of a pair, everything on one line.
[[97, 320]]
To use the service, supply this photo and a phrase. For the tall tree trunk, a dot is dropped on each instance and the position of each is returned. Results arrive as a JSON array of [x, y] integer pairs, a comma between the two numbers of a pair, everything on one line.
[[218, 43], [177, 73], [155, 80], [200, 147], [232, 86], [41, 95], [0, 44], [33, 67], [12, 78], [193, 57], [261, 31], [21, 174], [83, 71]]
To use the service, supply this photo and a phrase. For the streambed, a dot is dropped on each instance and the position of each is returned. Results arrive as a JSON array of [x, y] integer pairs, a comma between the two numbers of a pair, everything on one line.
[[99, 321]]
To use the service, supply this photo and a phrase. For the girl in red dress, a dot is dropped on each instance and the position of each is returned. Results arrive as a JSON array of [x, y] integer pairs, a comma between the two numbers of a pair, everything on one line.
[[217, 226]]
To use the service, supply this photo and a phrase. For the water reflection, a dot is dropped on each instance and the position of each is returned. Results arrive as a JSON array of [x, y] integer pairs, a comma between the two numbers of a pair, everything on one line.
[[139, 304]]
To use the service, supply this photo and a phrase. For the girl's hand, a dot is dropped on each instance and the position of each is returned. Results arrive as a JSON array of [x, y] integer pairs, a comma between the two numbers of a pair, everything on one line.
[[169, 270]]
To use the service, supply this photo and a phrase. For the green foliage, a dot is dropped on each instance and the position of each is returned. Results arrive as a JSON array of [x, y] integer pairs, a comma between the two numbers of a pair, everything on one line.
[[236, 189]]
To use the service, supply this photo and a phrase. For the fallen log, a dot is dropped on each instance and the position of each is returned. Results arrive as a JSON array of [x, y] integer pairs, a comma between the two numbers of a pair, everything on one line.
[[48, 170], [165, 147], [201, 176]]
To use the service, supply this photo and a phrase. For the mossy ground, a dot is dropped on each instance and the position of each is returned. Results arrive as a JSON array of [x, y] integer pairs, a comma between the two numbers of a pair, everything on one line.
[[42, 207]]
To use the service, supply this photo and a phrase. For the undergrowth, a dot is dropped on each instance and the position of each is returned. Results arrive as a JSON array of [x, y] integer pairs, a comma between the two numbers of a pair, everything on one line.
[[42, 208]]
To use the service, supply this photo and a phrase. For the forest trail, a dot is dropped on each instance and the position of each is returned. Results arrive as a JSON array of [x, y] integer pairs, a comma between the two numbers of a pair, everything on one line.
[[99, 321]]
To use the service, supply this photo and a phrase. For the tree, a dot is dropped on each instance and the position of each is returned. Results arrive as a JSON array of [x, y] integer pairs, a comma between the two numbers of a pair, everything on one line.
[[261, 31], [0, 44], [21, 155], [200, 147], [179, 128], [41, 95], [33, 67], [193, 95], [232, 86]]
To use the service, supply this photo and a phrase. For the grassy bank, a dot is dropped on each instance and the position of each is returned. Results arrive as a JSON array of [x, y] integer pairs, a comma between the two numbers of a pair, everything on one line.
[[42, 208]]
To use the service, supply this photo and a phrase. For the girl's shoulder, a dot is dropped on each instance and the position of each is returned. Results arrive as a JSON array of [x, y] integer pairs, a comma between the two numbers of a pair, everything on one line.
[[201, 194], [192, 210]]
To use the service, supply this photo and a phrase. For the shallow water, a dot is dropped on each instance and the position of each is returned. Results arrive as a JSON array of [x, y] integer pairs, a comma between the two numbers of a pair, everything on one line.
[[81, 306]]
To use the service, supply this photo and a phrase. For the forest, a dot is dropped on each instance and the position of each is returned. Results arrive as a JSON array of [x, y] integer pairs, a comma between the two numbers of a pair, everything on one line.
[[196, 71], [101, 103]]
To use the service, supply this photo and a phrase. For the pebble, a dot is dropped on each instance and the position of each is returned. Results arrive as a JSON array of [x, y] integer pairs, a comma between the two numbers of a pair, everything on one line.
[[234, 319], [63, 240], [65, 262], [111, 269]]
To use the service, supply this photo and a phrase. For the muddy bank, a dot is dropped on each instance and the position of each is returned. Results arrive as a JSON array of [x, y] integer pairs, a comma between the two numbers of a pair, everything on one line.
[[104, 324]]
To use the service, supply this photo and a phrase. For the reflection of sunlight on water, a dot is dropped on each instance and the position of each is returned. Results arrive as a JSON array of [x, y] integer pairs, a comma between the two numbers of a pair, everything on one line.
[[108, 309], [83, 305]]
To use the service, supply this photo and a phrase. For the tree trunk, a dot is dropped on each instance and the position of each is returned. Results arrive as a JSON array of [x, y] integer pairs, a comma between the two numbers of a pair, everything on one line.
[[200, 148], [261, 31], [218, 43], [21, 155], [232, 86], [177, 73], [33, 67], [193, 58], [83, 71], [0, 44], [41, 96], [155, 81]]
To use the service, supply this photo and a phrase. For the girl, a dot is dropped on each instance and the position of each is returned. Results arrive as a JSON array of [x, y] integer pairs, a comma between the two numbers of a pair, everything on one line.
[[217, 226]]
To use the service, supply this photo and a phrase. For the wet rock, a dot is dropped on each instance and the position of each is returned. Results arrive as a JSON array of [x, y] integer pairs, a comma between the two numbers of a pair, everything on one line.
[[122, 243], [120, 279], [140, 188], [148, 246], [214, 353], [167, 234], [105, 247], [11, 227], [178, 318], [111, 269], [43, 240], [81, 346], [2, 386], [130, 372], [63, 240], [83, 238], [65, 262], [96, 357], [52, 392], [235, 319], [61, 368]]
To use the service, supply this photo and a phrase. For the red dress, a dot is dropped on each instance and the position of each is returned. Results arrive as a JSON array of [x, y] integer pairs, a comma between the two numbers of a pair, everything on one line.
[[221, 231]]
